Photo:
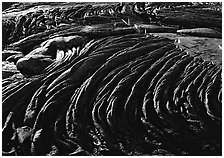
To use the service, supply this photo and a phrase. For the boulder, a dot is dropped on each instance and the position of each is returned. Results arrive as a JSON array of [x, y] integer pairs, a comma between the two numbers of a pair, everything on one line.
[[33, 64]]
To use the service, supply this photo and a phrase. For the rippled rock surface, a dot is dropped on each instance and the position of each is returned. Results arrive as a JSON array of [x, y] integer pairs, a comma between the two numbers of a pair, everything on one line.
[[109, 90]]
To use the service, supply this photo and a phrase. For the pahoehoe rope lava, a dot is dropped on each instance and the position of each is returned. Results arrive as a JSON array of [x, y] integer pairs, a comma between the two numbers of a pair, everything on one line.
[[96, 82], [119, 95]]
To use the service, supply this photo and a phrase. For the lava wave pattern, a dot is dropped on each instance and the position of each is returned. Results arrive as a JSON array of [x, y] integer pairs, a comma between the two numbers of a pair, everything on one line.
[[119, 95]]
